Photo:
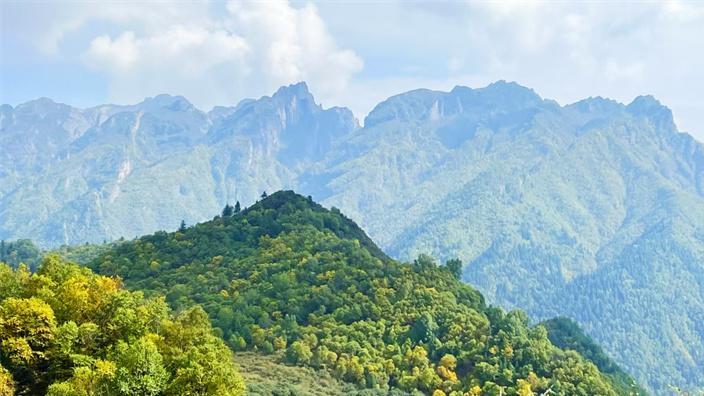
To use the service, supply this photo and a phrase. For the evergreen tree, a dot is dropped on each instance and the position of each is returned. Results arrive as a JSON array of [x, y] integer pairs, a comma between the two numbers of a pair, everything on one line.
[[182, 227], [227, 211], [455, 267], [424, 261], [237, 207], [263, 195]]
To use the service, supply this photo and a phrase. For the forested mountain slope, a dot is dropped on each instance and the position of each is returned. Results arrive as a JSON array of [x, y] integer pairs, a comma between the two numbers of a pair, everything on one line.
[[593, 210], [288, 275], [72, 176]]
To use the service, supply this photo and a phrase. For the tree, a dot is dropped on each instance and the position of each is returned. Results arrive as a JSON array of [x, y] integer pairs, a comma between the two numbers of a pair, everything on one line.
[[446, 368], [227, 211], [299, 353], [20, 251], [182, 227], [140, 369], [7, 384], [30, 320], [237, 207], [425, 262], [264, 195], [455, 267], [27, 327], [65, 331], [86, 380]]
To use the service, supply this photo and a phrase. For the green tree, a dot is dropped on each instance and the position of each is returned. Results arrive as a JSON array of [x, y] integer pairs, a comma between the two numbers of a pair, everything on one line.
[[140, 369], [7, 384], [66, 331], [27, 321], [202, 363], [21, 251], [227, 211], [299, 353], [425, 262], [424, 329], [455, 267]]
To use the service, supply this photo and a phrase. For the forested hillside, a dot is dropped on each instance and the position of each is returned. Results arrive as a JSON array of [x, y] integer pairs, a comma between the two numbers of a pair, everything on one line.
[[22, 251], [288, 276], [591, 210], [67, 332]]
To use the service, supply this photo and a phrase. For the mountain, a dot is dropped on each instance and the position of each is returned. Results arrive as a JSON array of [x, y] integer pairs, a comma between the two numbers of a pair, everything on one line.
[[71, 176], [288, 275], [592, 210]]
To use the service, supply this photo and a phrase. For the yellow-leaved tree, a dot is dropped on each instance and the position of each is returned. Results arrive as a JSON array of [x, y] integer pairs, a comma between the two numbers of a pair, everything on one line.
[[66, 331]]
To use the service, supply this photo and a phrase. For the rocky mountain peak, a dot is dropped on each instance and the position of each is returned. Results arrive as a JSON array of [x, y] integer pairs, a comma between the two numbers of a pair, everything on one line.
[[166, 102], [649, 107]]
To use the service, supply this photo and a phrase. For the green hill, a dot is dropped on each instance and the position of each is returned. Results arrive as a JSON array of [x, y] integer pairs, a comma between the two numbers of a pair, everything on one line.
[[287, 275]]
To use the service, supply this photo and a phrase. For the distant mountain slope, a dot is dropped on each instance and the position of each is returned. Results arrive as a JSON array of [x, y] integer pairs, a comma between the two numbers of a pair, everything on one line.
[[286, 274], [593, 210], [71, 176], [566, 334]]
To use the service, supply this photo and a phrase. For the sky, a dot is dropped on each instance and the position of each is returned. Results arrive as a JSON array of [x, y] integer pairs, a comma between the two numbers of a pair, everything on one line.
[[351, 53]]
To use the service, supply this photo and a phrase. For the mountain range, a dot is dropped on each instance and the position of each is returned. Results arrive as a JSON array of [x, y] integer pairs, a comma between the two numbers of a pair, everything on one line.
[[593, 210]]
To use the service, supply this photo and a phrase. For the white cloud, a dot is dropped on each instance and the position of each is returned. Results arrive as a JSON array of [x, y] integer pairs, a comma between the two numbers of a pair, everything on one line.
[[250, 51], [121, 53], [207, 51], [178, 50], [294, 45], [616, 71], [46, 24]]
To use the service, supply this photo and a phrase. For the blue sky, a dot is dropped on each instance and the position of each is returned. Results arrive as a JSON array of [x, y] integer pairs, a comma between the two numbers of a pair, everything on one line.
[[352, 54]]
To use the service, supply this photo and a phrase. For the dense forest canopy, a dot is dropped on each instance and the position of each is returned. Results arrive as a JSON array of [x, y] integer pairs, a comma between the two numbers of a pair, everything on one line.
[[65, 331], [288, 276], [20, 251]]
